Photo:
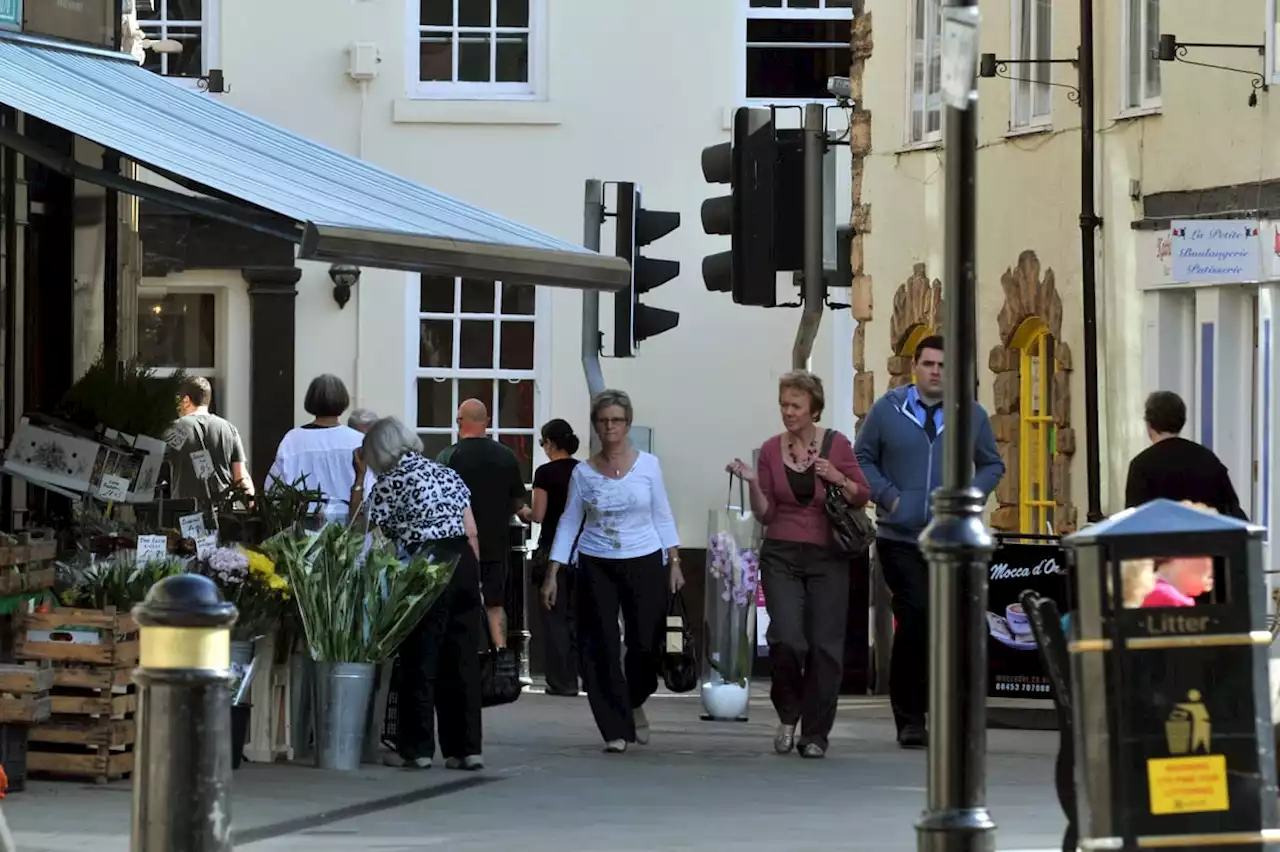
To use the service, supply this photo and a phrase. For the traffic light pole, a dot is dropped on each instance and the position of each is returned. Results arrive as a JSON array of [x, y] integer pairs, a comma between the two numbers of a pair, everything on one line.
[[592, 221], [812, 284], [956, 543]]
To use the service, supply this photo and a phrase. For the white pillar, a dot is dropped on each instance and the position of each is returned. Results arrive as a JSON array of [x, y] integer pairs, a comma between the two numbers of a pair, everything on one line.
[[1267, 396], [1224, 413]]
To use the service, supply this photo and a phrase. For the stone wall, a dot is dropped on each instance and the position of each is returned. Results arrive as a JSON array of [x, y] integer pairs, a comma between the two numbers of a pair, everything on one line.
[[864, 382], [917, 303], [1028, 294]]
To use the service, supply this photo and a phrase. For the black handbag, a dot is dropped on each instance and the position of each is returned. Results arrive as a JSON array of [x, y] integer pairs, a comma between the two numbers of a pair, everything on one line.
[[852, 531], [679, 668], [499, 674]]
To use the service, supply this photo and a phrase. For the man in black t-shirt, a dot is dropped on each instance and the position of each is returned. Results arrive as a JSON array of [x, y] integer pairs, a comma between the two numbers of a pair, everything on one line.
[[492, 473], [1175, 468]]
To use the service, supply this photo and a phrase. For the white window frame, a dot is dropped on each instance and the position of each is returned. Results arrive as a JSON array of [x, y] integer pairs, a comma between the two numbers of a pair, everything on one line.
[[1033, 70], [1273, 30], [927, 137], [210, 42], [748, 13], [1144, 103], [532, 90], [538, 375]]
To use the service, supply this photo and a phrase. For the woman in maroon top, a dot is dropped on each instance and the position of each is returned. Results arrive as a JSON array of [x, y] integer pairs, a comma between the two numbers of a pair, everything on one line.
[[802, 572]]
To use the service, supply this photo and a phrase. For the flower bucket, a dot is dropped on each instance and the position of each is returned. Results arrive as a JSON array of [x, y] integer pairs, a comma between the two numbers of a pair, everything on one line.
[[343, 692], [729, 615], [301, 677]]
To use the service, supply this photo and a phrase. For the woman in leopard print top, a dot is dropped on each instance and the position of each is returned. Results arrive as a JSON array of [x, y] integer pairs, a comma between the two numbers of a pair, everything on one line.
[[418, 502]]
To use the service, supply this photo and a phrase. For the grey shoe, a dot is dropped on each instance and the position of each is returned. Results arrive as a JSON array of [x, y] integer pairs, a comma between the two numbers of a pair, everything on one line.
[[615, 746], [784, 739], [470, 763], [398, 762], [812, 751], [642, 726]]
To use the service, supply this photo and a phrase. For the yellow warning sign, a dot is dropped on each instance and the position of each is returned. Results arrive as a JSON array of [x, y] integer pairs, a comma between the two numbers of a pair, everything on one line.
[[1188, 785]]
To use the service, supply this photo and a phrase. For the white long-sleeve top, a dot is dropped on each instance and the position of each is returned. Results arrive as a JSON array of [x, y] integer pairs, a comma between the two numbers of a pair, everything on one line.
[[624, 518]]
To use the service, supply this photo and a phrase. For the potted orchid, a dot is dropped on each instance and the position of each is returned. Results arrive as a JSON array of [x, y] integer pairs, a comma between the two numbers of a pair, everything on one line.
[[733, 569]]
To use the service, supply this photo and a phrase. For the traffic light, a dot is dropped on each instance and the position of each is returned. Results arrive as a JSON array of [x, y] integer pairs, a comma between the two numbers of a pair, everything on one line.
[[634, 321], [763, 215]]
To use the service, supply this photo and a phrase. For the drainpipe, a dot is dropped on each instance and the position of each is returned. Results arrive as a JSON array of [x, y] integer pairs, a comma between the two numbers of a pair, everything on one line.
[[592, 219], [814, 288], [1089, 225]]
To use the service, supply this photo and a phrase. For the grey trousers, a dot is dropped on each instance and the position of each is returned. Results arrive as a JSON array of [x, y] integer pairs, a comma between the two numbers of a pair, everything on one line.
[[806, 589]]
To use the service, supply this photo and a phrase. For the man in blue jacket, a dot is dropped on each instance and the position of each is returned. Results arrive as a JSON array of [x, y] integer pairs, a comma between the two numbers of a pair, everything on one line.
[[900, 451]]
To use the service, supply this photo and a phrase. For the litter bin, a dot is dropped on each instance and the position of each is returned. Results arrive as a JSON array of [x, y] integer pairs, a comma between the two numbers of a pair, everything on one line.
[[1171, 708]]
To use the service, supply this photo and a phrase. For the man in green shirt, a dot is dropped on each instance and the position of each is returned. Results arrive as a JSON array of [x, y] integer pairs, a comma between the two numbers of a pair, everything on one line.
[[490, 470]]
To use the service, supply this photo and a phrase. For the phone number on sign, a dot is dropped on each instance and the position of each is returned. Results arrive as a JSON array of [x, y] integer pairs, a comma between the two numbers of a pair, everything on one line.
[[1009, 684]]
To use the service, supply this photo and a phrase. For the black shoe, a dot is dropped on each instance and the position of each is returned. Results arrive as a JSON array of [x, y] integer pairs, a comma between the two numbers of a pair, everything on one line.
[[913, 736]]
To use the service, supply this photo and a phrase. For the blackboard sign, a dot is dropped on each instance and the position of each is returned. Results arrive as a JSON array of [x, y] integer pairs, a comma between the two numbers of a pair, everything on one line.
[[1019, 564]]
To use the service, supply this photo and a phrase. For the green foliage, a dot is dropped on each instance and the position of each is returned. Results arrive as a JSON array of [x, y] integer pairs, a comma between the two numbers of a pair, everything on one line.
[[354, 611], [118, 581], [282, 507], [133, 399]]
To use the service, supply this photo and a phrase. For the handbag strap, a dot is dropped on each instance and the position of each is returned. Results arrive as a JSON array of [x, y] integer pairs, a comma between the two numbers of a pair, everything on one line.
[[827, 439], [678, 608], [742, 493]]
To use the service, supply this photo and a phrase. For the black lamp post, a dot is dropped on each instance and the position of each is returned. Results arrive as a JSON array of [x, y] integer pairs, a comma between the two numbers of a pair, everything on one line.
[[956, 543]]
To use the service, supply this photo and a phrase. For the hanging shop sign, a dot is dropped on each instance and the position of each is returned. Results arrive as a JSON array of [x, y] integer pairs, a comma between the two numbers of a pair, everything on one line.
[[85, 21], [1216, 251], [11, 14]]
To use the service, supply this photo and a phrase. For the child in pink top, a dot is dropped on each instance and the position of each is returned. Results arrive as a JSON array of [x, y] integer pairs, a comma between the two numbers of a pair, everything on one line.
[[1179, 581]]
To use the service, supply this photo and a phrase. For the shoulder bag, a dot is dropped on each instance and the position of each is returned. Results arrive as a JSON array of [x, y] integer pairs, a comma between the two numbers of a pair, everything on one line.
[[851, 530]]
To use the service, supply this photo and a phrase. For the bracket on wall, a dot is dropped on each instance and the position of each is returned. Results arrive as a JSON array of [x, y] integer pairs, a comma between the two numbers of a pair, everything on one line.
[[213, 82], [1172, 50], [989, 66]]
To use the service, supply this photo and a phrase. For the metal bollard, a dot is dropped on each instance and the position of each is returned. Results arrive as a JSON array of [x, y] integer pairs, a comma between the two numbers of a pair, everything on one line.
[[182, 774]]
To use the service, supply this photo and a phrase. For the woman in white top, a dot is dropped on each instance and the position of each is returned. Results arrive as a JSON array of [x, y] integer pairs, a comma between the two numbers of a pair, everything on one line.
[[322, 449], [617, 522]]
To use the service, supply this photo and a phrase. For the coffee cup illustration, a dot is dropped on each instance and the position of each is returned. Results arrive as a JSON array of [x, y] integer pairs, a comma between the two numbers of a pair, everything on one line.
[[1017, 620]]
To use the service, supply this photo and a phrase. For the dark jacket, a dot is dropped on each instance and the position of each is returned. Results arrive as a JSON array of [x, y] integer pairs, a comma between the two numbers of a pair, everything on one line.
[[1178, 469], [901, 464]]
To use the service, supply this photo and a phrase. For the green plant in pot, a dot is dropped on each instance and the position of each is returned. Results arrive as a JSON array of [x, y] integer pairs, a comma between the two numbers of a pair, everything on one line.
[[281, 507], [131, 397], [356, 606]]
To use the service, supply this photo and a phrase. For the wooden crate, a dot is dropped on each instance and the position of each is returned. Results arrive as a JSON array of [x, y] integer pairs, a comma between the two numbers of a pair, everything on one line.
[[24, 693], [99, 764], [27, 552], [91, 729], [91, 637]]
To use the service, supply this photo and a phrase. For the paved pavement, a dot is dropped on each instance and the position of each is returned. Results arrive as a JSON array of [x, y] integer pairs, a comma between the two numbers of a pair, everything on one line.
[[698, 786]]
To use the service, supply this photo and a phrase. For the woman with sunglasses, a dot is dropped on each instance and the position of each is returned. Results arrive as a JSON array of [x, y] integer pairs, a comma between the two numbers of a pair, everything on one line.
[[550, 491], [618, 523]]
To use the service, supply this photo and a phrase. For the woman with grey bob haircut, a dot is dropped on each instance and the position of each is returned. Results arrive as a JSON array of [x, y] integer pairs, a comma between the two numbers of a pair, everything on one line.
[[420, 504], [321, 450]]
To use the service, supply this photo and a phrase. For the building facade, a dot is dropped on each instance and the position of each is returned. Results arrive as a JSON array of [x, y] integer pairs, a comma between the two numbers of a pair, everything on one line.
[[511, 105], [1174, 142]]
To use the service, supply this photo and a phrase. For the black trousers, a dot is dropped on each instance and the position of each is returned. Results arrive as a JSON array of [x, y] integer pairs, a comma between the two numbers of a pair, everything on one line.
[[637, 587], [806, 590], [907, 574], [559, 634], [440, 672]]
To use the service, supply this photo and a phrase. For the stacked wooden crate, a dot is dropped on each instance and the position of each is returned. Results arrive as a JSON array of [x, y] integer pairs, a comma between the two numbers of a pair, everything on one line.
[[91, 731]]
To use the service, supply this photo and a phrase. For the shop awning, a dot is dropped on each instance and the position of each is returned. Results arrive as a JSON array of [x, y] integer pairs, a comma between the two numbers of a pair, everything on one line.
[[342, 209]]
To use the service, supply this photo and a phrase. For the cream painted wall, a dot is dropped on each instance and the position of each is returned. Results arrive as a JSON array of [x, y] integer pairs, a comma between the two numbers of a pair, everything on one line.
[[1029, 193], [634, 92]]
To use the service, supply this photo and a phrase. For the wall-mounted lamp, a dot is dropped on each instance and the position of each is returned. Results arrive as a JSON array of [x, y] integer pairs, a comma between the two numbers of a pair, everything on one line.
[[989, 66], [344, 276], [1172, 50], [213, 82]]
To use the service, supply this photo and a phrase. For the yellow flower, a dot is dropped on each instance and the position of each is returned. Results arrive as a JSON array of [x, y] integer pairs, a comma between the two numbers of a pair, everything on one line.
[[260, 563]]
